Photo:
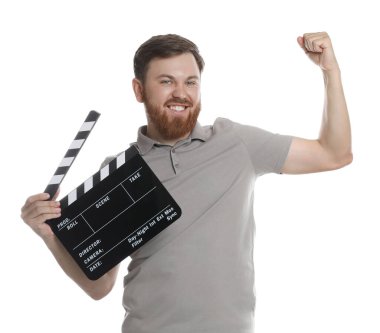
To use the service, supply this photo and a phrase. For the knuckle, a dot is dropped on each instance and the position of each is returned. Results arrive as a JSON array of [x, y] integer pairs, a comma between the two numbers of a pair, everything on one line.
[[53, 204], [38, 210]]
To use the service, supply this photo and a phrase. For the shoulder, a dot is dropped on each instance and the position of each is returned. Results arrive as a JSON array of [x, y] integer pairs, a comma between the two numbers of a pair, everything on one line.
[[227, 125], [222, 124]]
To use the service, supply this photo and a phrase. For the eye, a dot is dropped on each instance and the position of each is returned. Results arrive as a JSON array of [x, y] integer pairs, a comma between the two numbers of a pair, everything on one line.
[[191, 83], [166, 81]]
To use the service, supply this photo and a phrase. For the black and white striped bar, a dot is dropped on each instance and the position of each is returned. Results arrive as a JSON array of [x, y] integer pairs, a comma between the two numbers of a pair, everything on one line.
[[72, 153], [99, 176]]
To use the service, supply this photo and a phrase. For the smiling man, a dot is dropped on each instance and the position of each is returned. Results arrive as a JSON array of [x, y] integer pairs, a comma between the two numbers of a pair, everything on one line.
[[169, 86], [198, 275]]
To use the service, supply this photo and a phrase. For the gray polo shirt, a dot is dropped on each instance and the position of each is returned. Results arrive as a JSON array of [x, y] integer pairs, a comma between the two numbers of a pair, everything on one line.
[[197, 275]]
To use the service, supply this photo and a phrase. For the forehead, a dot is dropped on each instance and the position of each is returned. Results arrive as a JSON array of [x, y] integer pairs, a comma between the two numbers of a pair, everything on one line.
[[177, 66]]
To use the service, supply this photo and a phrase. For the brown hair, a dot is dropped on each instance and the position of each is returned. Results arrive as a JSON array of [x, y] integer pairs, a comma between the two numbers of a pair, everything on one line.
[[163, 46]]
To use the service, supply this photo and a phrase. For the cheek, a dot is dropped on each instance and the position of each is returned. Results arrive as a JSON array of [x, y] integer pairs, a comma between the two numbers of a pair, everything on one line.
[[157, 95], [196, 96]]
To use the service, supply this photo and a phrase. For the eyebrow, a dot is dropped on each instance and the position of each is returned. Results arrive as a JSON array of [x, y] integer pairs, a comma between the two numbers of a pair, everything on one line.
[[191, 77]]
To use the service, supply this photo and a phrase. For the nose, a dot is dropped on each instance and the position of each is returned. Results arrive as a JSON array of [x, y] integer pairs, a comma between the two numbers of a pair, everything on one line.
[[179, 91]]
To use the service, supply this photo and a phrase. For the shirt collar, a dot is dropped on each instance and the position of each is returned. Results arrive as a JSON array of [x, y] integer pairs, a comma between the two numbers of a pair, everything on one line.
[[145, 144]]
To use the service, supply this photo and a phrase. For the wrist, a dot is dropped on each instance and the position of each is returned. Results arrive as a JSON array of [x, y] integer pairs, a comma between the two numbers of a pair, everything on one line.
[[50, 240], [333, 72], [330, 76]]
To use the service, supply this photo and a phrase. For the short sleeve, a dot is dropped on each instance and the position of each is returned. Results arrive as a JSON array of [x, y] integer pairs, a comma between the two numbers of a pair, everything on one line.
[[267, 151]]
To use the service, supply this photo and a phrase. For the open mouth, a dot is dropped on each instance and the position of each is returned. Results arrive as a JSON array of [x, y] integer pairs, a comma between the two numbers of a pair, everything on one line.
[[177, 108]]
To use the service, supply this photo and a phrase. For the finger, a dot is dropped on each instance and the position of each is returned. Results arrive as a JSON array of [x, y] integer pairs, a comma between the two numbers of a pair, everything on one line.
[[316, 45], [323, 42], [41, 219], [307, 43], [315, 35], [40, 208], [316, 42], [312, 45], [34, 198], [301, 43]]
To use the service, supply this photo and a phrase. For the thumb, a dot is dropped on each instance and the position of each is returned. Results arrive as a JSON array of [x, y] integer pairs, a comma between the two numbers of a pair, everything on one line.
[[301, 43]]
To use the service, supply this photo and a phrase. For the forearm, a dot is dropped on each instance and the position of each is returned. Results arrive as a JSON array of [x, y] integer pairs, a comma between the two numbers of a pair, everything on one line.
[[96, 289], [335, 133]]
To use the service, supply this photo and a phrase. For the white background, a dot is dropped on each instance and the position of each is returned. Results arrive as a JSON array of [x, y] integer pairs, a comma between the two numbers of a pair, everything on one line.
[[317, 242]]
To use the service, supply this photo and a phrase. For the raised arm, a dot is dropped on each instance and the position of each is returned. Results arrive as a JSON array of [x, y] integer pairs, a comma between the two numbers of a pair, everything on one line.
[[332, 150], [34, 213]]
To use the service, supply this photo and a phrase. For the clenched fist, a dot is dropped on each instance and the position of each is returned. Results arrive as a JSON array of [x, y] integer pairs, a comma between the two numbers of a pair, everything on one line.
[[319, 48]]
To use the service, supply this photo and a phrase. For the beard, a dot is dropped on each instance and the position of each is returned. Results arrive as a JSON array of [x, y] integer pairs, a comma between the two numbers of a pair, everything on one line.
[[172, 128]]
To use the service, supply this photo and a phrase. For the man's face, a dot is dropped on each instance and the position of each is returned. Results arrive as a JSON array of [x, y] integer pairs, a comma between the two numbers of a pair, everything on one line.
[[171, 94]]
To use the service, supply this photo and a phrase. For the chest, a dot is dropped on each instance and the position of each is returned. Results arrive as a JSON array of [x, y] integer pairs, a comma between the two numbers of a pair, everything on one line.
[[198, 174]]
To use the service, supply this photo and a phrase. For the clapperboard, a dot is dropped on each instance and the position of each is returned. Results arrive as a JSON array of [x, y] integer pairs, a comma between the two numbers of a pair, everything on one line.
[[112, 213]]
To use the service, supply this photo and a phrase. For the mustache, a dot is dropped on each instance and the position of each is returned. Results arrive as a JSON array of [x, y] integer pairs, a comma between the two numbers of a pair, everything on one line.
[[178, 100]]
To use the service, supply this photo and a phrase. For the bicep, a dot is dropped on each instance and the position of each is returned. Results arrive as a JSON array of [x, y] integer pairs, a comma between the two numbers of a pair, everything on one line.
[[307, 156]]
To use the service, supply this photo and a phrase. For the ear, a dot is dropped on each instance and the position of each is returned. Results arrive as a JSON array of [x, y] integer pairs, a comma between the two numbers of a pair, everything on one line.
[[138, 90]]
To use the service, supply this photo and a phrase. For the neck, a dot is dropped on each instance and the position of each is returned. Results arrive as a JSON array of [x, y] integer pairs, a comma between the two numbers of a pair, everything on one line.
[[152, 133]]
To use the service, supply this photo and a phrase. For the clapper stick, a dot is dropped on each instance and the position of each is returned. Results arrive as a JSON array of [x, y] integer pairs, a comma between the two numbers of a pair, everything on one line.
[[72, 153]]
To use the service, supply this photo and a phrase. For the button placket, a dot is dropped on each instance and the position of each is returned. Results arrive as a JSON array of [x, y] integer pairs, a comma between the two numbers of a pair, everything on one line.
[[174, 160]]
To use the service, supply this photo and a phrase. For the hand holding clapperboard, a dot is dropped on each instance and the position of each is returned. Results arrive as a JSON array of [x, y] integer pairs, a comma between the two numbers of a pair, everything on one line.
[[114, 212]]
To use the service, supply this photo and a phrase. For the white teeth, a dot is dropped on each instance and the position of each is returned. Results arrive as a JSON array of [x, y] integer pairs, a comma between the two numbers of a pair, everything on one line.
[[177, 108]]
